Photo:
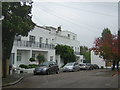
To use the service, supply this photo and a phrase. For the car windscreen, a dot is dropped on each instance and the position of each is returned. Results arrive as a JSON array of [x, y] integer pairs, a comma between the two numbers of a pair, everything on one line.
[[81, 64], [69, 64], [45, 64]]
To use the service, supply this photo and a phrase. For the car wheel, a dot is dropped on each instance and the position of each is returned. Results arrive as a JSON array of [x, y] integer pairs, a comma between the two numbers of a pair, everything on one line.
[[48, 72], [73, 70], [57, 72], [34, 73]]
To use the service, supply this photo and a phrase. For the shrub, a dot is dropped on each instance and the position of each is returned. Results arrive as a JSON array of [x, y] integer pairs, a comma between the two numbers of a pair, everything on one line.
[[33, 65], [32, 59], [28, 66], [22, 65], [41, 58]]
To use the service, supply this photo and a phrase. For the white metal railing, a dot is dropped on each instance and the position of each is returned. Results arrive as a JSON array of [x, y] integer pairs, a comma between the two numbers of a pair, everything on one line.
[[23, 43]]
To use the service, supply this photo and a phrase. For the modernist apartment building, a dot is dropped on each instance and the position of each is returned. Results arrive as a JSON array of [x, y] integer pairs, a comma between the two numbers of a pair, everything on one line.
[[42, 39]]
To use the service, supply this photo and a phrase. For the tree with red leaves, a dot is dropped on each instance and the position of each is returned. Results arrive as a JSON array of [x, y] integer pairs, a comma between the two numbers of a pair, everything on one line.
[[107, 47]]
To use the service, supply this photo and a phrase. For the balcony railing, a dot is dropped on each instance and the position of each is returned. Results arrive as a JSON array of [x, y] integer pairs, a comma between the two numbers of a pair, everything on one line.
[[77, 53], [33, 44]]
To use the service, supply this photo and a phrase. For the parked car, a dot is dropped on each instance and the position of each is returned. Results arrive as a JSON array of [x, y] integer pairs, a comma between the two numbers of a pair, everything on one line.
[[72, 66], [47, 68], [83, 67], [89, 66], [95, 66]]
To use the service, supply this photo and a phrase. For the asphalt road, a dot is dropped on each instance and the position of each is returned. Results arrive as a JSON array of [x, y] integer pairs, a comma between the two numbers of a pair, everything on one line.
[[81, 79]]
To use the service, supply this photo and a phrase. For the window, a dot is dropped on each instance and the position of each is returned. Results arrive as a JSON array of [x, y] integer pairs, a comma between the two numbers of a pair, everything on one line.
[[32, 38], [69, 35], [12, 58], [18, 38], [52, 39], [40, 40], [46, 41], [81, 60], [73, 37], [33, 55], [19, 56], [51, 58]]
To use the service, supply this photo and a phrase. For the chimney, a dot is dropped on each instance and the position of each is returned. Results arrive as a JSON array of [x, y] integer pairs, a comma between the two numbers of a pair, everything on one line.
[[59, 28]]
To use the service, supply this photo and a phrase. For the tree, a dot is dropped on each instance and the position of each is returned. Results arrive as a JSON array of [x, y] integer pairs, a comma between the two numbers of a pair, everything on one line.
[[118, 39], [17, 21], [66, 53], [41, 58], [86, 53], [107, 47]]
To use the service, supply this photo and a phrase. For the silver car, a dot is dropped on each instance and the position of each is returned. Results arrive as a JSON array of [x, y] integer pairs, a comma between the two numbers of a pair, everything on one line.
[[72, 66], [83, 67]]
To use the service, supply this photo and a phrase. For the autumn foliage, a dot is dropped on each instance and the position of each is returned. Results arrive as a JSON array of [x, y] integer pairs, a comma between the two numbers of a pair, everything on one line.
[[107, 47]]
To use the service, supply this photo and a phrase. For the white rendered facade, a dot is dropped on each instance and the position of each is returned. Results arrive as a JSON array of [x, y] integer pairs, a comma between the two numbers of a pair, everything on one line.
[[42, 40], [95, 59]]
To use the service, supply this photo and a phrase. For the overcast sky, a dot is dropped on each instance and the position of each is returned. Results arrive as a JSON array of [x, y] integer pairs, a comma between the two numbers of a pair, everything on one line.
[[86, 19]]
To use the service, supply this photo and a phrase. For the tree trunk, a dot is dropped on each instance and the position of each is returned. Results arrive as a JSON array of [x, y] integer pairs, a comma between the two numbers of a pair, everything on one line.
[[113, 67], [117, 65], [7, 44]]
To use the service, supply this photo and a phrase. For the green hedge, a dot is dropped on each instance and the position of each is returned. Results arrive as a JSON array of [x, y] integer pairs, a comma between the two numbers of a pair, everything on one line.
[[33, 65], [28, 66]]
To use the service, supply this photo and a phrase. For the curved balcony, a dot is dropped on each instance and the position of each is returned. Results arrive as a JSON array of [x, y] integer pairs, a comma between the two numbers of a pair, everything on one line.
[[77, 53], [23, 43]]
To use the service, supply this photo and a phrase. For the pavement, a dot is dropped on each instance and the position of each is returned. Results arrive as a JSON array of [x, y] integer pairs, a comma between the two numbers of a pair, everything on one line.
[[15, 78]]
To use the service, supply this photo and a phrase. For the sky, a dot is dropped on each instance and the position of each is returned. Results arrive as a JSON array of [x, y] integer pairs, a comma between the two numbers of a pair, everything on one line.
[[86, 19]]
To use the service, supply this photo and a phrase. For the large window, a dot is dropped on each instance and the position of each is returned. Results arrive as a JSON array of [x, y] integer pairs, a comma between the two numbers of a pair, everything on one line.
[[12, 58], [41, 39], [32, 38], [19, 56], [51, 58], [46, 41], [33, 55]]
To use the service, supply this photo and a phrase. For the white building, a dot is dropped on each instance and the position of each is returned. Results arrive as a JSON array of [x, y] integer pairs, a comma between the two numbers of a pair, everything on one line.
[[95, 59], [42, 40]]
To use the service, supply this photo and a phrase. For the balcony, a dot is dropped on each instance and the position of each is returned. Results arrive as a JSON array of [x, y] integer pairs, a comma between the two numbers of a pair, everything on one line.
[[77, 53], [22, 43]]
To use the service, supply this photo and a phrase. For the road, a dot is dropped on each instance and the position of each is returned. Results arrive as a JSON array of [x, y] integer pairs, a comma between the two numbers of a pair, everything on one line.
[[81, 79]]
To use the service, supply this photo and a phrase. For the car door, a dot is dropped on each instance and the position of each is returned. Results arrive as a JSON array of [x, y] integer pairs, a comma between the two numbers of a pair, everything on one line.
[[75, 66], [55, 67], [51, 68]]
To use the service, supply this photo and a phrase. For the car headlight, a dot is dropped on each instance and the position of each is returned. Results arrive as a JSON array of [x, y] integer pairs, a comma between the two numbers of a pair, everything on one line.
[[44, 69], [70, 67]]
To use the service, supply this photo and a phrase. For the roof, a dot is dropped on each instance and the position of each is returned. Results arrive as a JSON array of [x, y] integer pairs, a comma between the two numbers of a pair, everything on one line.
[[47, 27]]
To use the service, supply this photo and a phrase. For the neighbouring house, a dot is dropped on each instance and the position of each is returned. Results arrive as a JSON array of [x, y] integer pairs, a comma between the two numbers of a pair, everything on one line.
[[42, 39], [95, 59]]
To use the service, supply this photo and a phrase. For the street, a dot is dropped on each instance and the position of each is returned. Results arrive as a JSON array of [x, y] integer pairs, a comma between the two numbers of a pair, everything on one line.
[[81, 79]]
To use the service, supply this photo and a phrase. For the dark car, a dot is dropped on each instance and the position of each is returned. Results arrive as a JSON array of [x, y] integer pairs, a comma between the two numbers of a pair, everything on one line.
[[47, 68], [89, 66], [95, 66]]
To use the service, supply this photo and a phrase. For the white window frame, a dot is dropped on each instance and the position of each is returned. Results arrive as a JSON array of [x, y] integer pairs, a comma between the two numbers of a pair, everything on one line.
[[19, 56]]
